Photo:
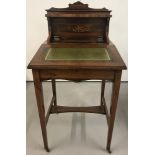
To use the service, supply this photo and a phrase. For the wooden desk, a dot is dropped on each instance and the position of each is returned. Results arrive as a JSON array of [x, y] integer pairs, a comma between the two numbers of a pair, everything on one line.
[[77, 70]]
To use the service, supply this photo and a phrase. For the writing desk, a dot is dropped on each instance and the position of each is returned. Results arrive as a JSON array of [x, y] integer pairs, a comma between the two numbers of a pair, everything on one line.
[[81, 60]]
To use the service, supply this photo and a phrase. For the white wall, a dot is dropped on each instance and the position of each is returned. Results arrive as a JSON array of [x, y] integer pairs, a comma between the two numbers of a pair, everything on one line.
[[37, 25]]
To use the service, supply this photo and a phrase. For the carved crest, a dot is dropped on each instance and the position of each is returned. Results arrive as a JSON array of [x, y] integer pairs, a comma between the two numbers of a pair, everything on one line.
[[78, 5]]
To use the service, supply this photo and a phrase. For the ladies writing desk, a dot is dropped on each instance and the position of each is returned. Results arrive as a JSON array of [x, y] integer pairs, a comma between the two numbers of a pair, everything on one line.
[[77, 48]]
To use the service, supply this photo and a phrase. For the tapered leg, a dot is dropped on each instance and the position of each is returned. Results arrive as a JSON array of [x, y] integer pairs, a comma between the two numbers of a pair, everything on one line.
[[113, 106], [54, 91], [102, 90], [40, 104]]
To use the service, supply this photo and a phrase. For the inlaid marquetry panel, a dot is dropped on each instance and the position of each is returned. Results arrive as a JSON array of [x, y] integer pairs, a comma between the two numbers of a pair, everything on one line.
[[78, 30]]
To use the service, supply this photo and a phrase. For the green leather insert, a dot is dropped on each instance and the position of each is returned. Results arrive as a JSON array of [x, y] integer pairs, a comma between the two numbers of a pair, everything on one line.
[[77, 54]]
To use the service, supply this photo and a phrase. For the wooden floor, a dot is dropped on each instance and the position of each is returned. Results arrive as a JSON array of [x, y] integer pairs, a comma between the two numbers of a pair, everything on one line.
[[77, 133]]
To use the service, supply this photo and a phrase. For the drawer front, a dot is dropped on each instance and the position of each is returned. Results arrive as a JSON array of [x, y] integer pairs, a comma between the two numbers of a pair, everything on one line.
[[72, 74]]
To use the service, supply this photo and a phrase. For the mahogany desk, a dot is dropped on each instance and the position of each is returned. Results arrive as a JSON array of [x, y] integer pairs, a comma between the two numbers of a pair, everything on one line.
[[77, 34]]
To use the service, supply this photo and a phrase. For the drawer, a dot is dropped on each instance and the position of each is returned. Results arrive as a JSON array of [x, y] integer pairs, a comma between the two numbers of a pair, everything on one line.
[[76, 74]]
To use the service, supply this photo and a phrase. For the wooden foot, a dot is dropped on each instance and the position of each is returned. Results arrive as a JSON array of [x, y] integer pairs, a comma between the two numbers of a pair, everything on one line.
[[108, 149], [47, 149]]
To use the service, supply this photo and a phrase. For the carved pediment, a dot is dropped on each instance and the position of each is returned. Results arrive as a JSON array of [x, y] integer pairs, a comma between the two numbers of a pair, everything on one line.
[[78, 5]]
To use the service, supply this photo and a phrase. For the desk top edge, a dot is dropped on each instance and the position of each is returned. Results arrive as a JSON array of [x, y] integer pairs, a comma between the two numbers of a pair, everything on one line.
[[38, 62]]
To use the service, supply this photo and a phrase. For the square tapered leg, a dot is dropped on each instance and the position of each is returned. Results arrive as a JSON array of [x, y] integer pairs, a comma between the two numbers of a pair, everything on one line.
[[41, 108], [54, 91], [113, 107], [102, 91]]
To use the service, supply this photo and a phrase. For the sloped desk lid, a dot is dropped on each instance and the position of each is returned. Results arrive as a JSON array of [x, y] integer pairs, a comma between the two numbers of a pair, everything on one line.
[[77, 54]]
